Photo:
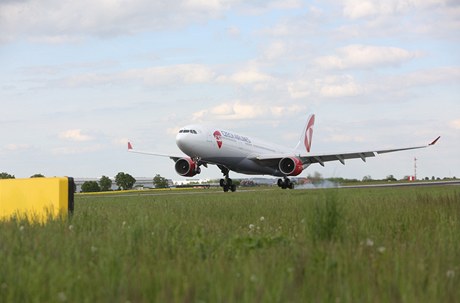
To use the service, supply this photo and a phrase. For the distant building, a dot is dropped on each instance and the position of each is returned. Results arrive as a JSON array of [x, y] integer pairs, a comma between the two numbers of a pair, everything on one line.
[[190, 181]]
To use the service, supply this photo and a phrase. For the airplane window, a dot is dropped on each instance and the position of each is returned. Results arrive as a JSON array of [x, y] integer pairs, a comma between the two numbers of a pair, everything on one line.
[[191, 131]]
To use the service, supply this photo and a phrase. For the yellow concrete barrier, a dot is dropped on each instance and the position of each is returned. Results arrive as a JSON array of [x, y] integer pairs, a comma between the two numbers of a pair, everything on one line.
[[36, 199]]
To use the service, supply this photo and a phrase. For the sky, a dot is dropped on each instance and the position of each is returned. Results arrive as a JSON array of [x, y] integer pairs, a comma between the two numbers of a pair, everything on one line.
[[78, 79]]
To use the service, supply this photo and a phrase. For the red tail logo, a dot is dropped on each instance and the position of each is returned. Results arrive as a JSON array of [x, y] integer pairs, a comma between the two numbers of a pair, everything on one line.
[[309, 133], [218, 137]]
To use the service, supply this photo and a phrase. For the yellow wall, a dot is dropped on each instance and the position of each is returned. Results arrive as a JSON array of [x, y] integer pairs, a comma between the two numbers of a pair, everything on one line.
[[35, 198]]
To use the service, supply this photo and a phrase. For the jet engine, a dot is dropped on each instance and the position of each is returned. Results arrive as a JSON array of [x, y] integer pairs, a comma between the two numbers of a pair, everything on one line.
[[186, 167], [291, 166]]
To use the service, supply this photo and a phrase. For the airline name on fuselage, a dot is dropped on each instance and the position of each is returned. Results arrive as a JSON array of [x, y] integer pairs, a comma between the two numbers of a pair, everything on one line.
[[235, 136]]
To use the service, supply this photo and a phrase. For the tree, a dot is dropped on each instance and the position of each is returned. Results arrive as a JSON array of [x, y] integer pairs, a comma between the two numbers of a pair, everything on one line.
[[105, 183], [90, 186], [367, 178], [6, 176], [37, 176], [160, 182], [124, 181], [390, 178]]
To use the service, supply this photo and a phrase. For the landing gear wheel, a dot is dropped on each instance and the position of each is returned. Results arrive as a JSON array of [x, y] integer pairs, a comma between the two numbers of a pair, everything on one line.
[[285, 183], [226, 183]]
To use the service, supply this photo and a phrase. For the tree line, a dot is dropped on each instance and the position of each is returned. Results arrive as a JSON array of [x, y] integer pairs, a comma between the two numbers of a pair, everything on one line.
[[124, 181]]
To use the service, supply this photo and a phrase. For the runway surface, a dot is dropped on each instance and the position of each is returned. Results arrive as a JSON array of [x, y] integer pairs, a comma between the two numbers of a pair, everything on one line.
[[201, 192], [418, 184]]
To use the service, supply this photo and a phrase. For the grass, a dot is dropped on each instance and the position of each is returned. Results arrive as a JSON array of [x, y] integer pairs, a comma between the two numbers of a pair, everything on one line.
[[336, 245]]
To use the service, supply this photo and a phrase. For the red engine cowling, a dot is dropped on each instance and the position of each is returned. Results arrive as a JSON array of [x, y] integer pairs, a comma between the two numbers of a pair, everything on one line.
[[291, 166], [186, 167]]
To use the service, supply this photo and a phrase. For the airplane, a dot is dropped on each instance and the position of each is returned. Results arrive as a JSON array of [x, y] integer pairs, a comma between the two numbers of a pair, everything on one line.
[[247, 155]]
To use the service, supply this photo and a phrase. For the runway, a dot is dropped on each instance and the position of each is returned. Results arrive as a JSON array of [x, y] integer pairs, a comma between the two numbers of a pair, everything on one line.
[[119, 194], [408, 184]]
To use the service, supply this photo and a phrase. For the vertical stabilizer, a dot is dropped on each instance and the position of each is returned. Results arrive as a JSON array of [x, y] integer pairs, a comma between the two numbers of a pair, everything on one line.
[[304, 144]]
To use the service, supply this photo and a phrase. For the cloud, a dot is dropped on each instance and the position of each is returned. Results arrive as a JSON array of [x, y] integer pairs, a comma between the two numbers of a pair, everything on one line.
[[328, 87], [343, 138], [67, 150], [149, 76], [52, 18], [400, 18], [246, 110], [248, 76], [230, 111], [455, 124], [55, 21], [74, 135], [17, 147], [355, 9], [275, 50], [365, 57], [337, 90]]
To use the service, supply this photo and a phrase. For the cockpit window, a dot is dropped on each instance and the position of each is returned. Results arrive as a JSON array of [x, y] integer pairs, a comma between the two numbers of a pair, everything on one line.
[[191, 131]]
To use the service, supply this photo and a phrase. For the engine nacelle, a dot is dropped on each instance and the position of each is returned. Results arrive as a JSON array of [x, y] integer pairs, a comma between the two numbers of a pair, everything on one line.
[[186, 167], [291, 166]]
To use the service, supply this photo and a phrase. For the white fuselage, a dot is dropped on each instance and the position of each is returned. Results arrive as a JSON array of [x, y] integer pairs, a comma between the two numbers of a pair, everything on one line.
[[229, 149]]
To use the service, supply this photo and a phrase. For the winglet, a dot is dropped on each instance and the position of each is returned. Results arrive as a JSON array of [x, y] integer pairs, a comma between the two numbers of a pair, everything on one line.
[[130, 147], [435, 140]]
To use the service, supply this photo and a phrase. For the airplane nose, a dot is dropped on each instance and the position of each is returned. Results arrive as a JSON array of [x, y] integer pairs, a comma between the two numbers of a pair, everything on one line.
[[180, 142]]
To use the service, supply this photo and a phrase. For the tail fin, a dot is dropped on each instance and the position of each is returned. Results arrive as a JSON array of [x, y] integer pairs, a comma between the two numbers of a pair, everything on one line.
[[306, 137]]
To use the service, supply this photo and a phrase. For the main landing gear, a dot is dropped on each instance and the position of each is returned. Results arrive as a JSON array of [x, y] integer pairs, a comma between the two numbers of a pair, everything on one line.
[[285, 183], [226, 183]]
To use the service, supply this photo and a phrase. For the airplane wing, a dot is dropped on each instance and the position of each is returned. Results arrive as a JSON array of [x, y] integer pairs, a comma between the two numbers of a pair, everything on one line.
[[132, 150], [321, 158]]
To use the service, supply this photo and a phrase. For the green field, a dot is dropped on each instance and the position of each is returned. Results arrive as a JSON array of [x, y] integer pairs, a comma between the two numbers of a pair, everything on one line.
[[335, 245]]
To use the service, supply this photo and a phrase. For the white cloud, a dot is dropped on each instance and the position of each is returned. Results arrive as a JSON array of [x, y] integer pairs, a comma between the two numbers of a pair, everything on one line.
[[338, 138], [230, 111], [348, 89], [455, 124], [233, 31], [17, 147], [101, 18], [367, 8], [182, 73], [365, 57], [149, 76], [67, 150], [74, 135], [328, 87], [248, 76], [246, 110], [120, 141], [55, 20], [275, 50]]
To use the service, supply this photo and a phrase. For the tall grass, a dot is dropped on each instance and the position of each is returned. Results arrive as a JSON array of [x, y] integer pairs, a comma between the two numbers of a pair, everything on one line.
[[377, 245]]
